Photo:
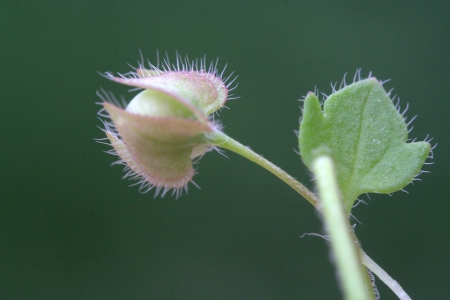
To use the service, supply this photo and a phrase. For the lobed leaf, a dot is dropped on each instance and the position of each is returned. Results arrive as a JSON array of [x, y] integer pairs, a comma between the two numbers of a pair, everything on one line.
[[367, 138]]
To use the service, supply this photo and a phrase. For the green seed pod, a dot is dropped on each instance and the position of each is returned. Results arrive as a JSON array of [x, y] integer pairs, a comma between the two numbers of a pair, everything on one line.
[[167, 124]]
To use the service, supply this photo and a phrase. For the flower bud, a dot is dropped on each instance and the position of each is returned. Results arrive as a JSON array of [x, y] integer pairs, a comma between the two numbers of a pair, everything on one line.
[[166, 125]]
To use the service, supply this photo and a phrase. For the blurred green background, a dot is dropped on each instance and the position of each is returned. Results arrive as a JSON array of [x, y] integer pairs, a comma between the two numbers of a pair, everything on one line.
[[70, 228]]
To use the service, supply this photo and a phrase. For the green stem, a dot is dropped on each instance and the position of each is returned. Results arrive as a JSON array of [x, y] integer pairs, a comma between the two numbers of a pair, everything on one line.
[[344, 247], [224, 141], [388, 280]]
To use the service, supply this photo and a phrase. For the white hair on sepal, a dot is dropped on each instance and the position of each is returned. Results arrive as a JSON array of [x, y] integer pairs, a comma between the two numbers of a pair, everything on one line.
[[219, 127], [223, 83], [163, 190], [220, 151], [183, 64], [107, 96], [144, 185], [107, 75], [108, 127], [233, 97]]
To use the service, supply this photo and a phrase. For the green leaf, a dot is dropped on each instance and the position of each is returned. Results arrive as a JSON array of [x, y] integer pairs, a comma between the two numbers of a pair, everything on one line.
[[367, 138]]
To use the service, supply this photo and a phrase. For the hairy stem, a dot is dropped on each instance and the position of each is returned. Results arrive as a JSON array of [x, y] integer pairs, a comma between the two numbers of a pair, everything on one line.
[[224, 141], [388, 280], [343, 246], [220, 139]]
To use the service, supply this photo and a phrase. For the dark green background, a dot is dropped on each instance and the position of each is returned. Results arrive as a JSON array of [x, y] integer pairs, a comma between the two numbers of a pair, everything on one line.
[[70, 228]]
